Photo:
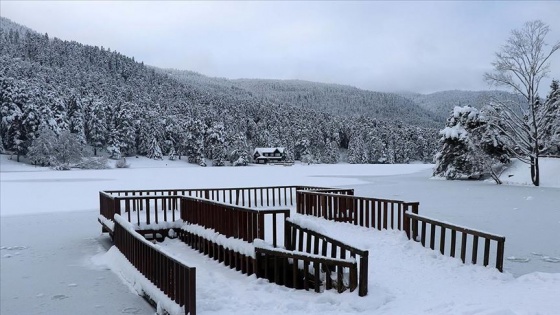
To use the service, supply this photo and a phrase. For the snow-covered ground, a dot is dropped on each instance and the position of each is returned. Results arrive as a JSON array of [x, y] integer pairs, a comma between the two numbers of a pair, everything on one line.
[[54, 260]]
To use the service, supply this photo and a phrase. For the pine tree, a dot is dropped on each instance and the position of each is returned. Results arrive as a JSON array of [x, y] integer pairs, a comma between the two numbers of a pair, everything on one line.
[[154, 152], [194, 142], [76, 118], [18, 120], [469, 149], [551, 134], [95, 126], [214, 145], [239, 149]]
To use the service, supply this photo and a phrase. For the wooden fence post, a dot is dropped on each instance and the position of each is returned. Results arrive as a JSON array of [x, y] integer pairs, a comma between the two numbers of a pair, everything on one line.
[[116, 207], [415, 223], [500, 255], [363, 282]]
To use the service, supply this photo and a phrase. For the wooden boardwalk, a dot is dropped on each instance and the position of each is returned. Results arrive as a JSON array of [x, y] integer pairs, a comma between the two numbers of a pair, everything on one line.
[[249, 229]]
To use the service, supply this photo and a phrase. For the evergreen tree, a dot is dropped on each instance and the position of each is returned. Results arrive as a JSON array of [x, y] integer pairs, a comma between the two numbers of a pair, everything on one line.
[[469, 149], [76, 118], [95, 127], [194, 142], [239, 149], [154, 152], [551, 133]]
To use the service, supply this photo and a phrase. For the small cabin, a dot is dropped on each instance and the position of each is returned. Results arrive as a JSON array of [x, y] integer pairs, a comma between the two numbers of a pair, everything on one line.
[[269, 155]]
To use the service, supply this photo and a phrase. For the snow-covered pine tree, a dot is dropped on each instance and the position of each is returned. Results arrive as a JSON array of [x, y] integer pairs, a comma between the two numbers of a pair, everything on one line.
[[238, 149], [154, 151], [469, 148], [455, 159], [551, 134], [194, 142], [19, 119], [76, 117], [96, 125], [357, 151], [215, 145], [122, 134]]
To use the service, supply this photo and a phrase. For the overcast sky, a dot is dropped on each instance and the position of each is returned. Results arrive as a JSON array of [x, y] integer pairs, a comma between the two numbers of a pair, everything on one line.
[[382, 46]]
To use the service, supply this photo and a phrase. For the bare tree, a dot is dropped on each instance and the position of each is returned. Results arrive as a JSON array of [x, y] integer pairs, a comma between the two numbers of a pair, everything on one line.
[[521, 65]]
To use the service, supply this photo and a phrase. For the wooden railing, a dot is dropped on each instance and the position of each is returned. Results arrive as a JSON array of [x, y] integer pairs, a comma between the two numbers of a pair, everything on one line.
[[449, 240], [228, 255], [233, 221], [172, 277], [304, 271], [362, 211], [400, 215], [165, 202], [272, 196], [305, 240]]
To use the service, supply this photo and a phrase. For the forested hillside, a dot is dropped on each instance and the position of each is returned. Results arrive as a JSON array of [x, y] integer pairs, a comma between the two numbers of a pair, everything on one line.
[[441, 104], [336, 99], [114, 105]]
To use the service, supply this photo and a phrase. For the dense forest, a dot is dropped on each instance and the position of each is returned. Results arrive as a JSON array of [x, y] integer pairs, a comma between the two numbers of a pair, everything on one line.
[[106, 103]]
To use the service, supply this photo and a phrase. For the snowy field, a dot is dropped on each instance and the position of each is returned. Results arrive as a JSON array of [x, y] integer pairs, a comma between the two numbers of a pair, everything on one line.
[[55, 261]]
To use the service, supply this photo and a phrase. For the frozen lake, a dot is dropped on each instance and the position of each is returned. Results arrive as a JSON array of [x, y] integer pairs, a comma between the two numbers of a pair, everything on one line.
[[49, 231]]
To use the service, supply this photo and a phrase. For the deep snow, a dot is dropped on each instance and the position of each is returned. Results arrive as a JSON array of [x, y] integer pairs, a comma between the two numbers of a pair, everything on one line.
[[54, 260]]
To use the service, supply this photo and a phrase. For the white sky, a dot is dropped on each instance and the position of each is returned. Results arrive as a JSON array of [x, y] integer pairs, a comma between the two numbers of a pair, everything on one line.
[[382, 46]]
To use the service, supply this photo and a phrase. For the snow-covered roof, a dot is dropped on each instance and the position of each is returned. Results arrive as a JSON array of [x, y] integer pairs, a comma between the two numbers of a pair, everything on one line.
[[261, 151]]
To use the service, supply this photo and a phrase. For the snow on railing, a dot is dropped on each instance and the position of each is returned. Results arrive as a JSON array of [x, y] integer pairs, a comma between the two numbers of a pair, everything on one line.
[[174, 278]]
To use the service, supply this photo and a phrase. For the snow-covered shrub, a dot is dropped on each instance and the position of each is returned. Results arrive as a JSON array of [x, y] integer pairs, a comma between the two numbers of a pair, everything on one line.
[[308, 159], [218, 162], [60, 151], [241, 161], [61, 167], [122, 163], [172, 154], [114, 152], [68, 149], [42, 148], [93, 163]]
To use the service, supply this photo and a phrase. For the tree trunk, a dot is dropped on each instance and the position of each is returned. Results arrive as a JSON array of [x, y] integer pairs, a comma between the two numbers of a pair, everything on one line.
[[535, 176], [94, 151]]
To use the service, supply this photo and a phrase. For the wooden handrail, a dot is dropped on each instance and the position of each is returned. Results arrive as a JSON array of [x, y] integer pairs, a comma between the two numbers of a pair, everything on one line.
[[320, 246], [232, 221], [326, 192], [280, 266], [363, 211], [465, 232], [172, 277]]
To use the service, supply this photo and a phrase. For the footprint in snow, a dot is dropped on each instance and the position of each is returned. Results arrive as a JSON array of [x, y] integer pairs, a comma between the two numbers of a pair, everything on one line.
[[59, 297], [13, 247], [518, 259], [130, 310], [547, 258]]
